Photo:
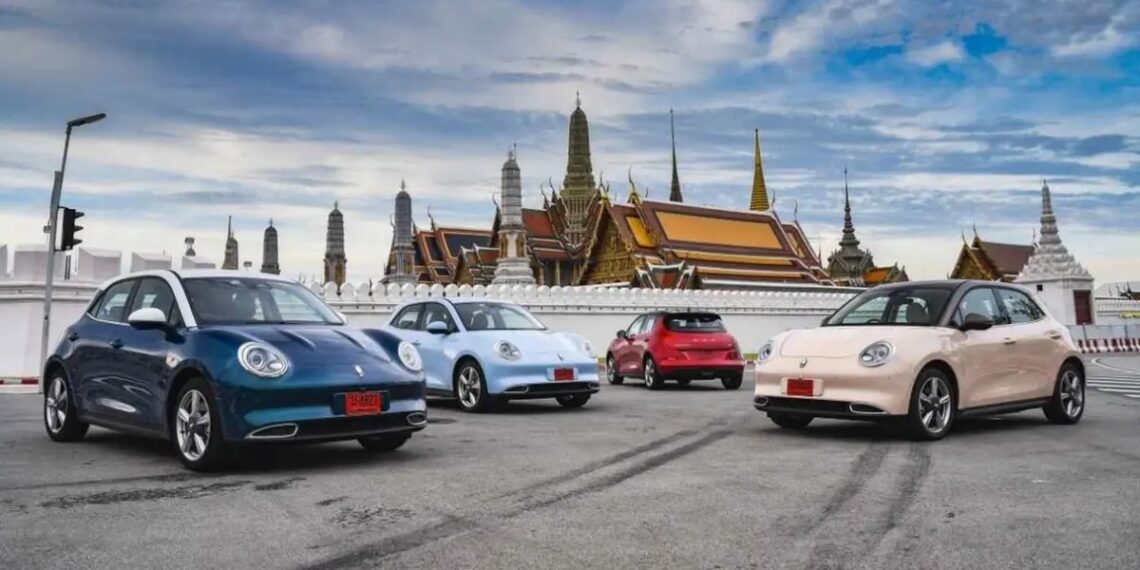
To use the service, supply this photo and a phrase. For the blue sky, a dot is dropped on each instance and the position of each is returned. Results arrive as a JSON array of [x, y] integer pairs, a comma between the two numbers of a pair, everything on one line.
[[947, 114]]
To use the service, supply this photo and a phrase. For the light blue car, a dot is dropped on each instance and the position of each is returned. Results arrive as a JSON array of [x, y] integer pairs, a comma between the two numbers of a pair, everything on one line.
[[485, 352]]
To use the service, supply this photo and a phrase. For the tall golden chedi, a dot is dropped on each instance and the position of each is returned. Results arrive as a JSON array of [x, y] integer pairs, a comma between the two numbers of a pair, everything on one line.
[[583, 237]]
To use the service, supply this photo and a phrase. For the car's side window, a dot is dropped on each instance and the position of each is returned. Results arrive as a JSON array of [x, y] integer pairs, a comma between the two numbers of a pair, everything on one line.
[[635, 326], [1019, 307], [647, 326], [435, 312], [979, 301], [113, 305], [153, 293], [408, 317]]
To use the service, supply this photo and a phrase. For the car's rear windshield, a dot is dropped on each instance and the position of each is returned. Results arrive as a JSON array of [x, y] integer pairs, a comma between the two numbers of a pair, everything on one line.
[[694, 322], [249, 301]]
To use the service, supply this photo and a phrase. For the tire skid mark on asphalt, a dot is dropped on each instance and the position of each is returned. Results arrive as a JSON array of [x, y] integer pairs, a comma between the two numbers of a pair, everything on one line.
[[638, 468], [597, 465], [146, 495], [453, 526], [864, 467], [177, 477], [864, 538]]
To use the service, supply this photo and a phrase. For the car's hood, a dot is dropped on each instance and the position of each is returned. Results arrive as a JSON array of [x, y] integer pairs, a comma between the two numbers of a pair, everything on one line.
[[844, 342], [309, 344], [534, 341]]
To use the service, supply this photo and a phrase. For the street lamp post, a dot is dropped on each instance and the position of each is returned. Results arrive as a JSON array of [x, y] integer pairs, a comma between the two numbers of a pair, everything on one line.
[[50, 230]]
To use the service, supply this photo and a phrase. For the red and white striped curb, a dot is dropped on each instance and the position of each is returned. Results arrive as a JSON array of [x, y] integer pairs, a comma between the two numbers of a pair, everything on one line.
[[1108, 345], [18, 381]]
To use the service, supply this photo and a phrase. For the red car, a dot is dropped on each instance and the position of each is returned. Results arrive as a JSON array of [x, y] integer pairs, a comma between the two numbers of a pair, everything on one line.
[[684, 347]]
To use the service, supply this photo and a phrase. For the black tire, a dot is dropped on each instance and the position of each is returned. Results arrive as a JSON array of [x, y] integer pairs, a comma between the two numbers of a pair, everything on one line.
[[790, 421], [480, 400], [1068, 403], [732, 382], [573, 400], [384, 443], [683, 382], [653, 379], [932, 392], [61, 418], [612, 374], [215, 454]]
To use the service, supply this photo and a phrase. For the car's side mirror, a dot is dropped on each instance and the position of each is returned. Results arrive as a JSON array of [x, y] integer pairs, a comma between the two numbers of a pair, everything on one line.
[[976, 322], [622, 334], [437, 327], [149, 317], [343, 317]]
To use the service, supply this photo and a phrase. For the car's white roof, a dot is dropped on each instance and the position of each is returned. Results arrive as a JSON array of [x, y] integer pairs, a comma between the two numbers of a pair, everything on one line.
[[196, 273]]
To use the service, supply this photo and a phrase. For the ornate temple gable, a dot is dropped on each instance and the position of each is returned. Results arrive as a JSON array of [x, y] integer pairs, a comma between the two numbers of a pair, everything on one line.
[[610, 258], [990, 261], [476, 266], [437, 251]]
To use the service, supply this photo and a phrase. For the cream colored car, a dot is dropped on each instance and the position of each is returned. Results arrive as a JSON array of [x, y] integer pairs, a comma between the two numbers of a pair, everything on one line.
[[926, 353]]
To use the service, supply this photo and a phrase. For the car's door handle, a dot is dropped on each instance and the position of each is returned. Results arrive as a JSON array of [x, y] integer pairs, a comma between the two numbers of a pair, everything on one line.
[[416, 342], [1009, 341], [1055, 335], [73, 337], [117, 343]]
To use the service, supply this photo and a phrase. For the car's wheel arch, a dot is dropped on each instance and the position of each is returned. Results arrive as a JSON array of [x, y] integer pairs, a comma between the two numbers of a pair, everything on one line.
[[1076, 362], [944, 367], [459, 361], [184, 373]]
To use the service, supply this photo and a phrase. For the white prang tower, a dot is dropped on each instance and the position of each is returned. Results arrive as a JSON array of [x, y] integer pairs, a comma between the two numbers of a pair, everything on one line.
[[1064, 285], [402, 239], [513, 266]]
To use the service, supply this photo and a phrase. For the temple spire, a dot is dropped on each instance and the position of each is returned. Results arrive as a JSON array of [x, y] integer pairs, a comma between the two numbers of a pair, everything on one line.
[[675, 189], [849, 239], [1051, 259], [760, 201]]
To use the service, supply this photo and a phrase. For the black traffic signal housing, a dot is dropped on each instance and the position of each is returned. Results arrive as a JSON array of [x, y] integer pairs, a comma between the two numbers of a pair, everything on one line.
[[67, 239]]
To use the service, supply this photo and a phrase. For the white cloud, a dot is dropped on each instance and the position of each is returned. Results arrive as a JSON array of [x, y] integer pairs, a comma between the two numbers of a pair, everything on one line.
[[930, 56]]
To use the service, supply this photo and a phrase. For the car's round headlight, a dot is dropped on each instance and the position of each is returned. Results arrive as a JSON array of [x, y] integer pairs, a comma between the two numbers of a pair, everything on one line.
[[410, 357], [877, 354], [262, 360], [507, 351], [765, 352]]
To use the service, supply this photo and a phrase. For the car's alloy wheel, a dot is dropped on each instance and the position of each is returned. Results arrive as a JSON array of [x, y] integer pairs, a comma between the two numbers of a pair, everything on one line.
[[471, 390], [59, 412], [612, 375], [192, 425], [1068, 402], [196, 427], [932, 406]]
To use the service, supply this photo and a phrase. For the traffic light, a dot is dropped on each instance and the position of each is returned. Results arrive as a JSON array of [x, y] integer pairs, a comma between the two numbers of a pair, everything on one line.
[[67, 239]]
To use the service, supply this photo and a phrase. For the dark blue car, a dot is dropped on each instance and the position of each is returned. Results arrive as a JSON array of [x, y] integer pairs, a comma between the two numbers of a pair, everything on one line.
[[214, 359]]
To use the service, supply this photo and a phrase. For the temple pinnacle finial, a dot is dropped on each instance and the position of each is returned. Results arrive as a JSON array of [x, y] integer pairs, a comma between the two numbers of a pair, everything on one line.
[[760, 202], [675, 186], [336, 204], [578, 99], [271, 222], [229, 226], [403, 185], [974, 225], [633, 195]]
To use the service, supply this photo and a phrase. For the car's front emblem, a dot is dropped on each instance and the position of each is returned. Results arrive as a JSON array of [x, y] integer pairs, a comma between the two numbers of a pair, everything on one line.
[[359, 370], [803, 362]]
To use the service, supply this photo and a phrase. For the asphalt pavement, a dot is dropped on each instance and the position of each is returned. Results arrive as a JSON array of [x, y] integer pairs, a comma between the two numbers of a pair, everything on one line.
[[680, 478]]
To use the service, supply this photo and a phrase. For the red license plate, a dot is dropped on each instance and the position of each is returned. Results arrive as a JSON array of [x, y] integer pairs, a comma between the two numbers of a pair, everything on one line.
[[362, 403], [563, 374], [801, 387]]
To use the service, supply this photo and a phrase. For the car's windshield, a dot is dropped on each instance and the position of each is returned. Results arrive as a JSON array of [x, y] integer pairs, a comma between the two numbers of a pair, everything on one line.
[[246, 301], [496, 317], [908, 306], [694, 322]]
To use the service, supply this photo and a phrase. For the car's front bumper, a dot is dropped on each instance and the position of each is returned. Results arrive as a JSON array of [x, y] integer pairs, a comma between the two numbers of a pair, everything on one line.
[[315, 411], [874, 392], [529, 380]]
